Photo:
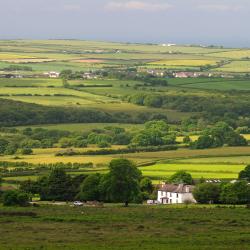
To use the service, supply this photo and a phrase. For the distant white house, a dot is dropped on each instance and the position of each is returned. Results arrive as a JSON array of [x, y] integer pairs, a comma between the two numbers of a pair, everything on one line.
[[89, 76], [154, 72], [185, 74], [168, 44], [52, 74], [174, 194]]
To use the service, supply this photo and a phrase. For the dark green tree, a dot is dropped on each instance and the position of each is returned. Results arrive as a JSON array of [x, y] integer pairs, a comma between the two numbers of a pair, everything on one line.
[[235, 193], [207, 193], [146, 185], [181, 177], [245, 174], [89, 190], [57, 186], [121, 184], [3, 145], [15, 198]]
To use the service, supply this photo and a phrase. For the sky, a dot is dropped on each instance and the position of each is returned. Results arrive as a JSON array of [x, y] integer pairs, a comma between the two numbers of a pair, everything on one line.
[[218, 22]]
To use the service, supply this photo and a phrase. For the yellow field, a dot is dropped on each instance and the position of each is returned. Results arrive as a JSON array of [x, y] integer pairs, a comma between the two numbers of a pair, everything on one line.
[[186, 62], [234, 54], [9, 56], [236, 67], [48, 155]]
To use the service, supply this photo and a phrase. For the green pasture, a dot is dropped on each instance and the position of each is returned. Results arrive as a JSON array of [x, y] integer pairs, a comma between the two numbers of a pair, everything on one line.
[[115, 227], [220, 171], [242, 160], [211, 83]]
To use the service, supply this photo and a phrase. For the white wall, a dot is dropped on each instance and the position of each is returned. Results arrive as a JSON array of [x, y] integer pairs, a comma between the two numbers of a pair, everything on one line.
[[175, 198]]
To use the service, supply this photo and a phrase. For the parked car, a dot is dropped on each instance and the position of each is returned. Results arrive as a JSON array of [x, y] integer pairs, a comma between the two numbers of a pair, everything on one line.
[[77, 203]]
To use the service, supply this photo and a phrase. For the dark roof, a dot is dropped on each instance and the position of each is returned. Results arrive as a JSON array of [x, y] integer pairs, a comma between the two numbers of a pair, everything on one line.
[[181, 188]]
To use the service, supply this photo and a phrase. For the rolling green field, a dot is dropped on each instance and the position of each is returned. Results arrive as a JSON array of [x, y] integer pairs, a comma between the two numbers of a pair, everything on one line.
[[212, 84], [115, 227], [79, 55], [112, 95]]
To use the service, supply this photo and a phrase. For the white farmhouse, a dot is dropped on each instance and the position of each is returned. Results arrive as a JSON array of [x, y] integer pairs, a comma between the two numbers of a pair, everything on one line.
[[52, 74], [173, 194]]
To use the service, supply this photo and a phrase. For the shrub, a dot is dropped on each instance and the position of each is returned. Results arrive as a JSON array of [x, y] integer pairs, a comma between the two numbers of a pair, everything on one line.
[[207, 193], [15, 198], [26, 151], [181, 177]]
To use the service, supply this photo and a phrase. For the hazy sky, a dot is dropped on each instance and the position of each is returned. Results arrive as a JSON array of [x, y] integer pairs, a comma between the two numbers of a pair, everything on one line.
[[179, 21]]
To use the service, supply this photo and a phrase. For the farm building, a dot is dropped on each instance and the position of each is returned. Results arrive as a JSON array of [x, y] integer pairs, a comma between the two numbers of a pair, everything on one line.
[[185, 74], [52, 74], [173, 194], [89, 76]]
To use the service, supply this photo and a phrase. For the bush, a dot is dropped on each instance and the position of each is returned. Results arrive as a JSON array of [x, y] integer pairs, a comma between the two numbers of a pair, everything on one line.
[[15, 198], [245, 174], [236, 193], [26, 151], [181, 177], [207, 193]]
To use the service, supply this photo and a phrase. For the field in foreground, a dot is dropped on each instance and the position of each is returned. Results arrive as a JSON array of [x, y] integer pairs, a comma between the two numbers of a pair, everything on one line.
[[136, 227]]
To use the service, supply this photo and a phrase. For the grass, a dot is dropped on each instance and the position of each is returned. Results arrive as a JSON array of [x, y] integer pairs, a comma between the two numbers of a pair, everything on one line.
[[115, 227], [211, 83], [223, 159], [220, 171]]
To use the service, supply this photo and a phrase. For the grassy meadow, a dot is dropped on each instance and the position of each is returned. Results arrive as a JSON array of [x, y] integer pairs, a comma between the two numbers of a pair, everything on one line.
[[114, 227]]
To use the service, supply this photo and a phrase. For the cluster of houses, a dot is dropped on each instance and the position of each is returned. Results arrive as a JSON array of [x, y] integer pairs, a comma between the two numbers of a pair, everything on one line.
[[86, 75], [183, 74]]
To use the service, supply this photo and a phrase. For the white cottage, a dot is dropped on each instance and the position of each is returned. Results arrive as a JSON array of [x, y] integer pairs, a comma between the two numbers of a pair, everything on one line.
[[173, 194]]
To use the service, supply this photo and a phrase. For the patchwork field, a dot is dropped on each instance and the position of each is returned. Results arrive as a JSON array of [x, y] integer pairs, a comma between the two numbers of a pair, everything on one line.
[[221, 163], [113, 95]]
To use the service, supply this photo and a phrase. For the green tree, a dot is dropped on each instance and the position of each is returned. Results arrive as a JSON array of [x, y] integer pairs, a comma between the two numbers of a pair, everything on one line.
[[181, 177], [159, 125], [236, 193], [57, 186], [26, 151], [3, 145], [245, 174], [204, 141], [89, 190], [11, 149], [146, 185], [148, 137], [121, 184], [29, 187], [207, 193], [15, 198], [187, 140]]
